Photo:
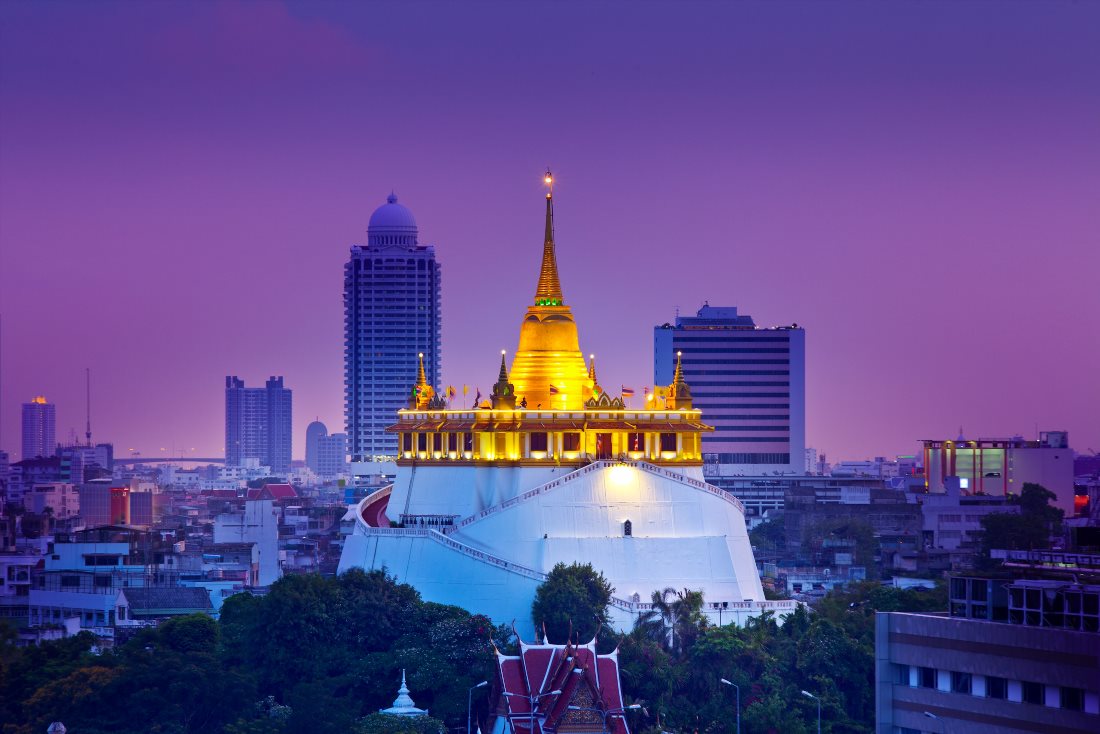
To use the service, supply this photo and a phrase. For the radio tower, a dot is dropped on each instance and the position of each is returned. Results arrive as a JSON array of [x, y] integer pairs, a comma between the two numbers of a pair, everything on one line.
[[88, 405]]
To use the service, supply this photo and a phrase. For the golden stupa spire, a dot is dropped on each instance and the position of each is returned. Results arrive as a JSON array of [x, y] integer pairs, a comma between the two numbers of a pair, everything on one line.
[[422, 392], [504, 393], [421, 377], [592, 367], [679, 394], [548, 291]]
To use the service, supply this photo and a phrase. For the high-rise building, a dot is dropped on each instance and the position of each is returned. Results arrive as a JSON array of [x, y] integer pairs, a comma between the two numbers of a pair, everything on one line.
[[392, 313], [39, 428], [750, 383], [326, 455], [258, 423]]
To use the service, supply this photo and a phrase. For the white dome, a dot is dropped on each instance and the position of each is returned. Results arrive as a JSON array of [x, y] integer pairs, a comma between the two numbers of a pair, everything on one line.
[[392, 218]]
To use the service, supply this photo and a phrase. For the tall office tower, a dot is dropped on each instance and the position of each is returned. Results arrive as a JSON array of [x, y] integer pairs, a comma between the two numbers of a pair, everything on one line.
[[258, 423], [750, 383], [392, 313], [39, 428]]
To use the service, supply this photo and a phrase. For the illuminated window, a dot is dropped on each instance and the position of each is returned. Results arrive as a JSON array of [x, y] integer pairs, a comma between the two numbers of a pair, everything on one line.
[[407, 441], [635, 442], [421, 442], [538, 442], [668, 442], [571, 441]]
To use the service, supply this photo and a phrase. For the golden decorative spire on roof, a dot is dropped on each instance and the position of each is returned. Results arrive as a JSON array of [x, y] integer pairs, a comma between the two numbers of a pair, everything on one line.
[[679, 394], [549, 370], [592, 367], [504, 393], [422, 392], [548, 291]]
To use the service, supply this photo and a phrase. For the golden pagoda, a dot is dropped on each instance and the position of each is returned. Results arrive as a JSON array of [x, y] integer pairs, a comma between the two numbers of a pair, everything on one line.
[[548, 410]]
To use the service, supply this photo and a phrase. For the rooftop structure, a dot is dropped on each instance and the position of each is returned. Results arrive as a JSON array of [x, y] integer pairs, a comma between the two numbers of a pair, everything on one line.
[[551, 467], [1000, 466], [403, 705], [558, 688]]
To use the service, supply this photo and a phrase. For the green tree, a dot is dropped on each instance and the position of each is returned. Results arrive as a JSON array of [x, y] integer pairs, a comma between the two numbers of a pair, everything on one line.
[[675, 619], [389, 724], [770, 535], [572, 600]]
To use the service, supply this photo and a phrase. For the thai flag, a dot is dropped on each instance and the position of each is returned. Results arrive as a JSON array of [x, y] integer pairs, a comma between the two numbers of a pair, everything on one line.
[[553, 390], [628, 392]]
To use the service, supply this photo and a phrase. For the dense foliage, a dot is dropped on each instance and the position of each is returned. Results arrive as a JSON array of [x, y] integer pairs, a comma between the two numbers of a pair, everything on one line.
[[1030, 529], [572, 603], [324, 655], [314, 655], [673, 663]]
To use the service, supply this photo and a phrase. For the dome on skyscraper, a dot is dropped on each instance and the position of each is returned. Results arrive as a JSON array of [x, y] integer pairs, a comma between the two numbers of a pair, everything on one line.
[[392, 219]]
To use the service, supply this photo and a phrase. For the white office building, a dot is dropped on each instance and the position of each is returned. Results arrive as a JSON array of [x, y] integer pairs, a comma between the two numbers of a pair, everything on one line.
[[750, 383]]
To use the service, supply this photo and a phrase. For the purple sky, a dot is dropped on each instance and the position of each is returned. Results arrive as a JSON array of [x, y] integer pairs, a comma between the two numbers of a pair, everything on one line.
[[916, 183]]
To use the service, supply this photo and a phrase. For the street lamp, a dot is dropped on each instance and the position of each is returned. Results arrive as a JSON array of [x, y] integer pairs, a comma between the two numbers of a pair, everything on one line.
[[531, 699], [943, 725], [470, 702], [810, 695], [608, 713], [738, 689]]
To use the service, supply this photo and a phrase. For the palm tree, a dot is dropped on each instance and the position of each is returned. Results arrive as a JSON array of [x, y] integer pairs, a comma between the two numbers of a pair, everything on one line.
[[674, 619]]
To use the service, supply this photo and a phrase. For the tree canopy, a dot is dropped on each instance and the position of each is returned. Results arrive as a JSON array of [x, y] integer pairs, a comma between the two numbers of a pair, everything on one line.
[[572, 601]]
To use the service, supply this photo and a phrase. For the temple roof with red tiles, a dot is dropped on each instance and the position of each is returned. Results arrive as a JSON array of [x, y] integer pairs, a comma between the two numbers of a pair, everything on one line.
[[551, 688]]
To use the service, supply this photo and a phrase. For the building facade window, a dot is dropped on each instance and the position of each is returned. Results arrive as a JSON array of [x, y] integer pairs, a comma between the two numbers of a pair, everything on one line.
[[1032, 692], [961, 682], [996, 687]]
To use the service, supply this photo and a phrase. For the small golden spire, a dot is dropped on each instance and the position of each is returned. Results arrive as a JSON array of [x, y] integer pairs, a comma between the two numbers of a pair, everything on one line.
[[592, 367], [548, 291], [504, 393], [421, 377], [679, 394]]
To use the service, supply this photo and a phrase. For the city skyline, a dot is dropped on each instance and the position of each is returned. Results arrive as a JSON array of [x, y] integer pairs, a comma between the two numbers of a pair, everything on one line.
[[929, 218]]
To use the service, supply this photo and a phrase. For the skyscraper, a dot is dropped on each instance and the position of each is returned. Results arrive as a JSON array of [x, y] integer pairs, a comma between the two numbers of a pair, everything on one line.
[[392, 313], [750, 383], [258, 423], [39, 428]]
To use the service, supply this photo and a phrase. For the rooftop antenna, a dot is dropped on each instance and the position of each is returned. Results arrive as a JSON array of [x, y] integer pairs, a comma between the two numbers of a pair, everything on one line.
[[88, 405]]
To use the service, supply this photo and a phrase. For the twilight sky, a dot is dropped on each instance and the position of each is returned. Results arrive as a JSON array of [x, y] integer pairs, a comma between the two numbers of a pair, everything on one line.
[[917, 183]]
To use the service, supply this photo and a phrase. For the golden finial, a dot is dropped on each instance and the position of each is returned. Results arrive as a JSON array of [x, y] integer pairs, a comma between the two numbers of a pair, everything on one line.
[[548, 291], [679, 394], [592, 367], [421, 377]]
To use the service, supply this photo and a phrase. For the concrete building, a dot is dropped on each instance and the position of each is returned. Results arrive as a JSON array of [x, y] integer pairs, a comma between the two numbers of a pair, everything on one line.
[[257, 525], [39, 428], [750, 383], [326, 455], [392, 312], [80, 463], [258, 423], [1000, 466], [953, 520], [62, 499], [104, 503], [952, 674]]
